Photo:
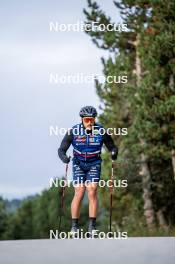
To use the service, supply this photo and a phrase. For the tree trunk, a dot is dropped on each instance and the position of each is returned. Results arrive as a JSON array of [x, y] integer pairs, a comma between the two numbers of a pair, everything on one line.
[[147, 194], [161, 219], [173, 161], [171, 84], [149, 212]]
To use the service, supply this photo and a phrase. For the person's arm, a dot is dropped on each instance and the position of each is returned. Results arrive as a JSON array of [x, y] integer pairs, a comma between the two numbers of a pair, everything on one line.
[[109, 143], [65, 144]]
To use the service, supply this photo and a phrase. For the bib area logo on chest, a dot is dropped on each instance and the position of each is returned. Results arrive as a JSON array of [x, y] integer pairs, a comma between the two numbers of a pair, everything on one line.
[[80, 138], [90, 140]]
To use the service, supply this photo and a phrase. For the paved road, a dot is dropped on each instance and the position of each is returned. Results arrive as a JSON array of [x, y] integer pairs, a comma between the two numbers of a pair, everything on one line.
[[129, 251]]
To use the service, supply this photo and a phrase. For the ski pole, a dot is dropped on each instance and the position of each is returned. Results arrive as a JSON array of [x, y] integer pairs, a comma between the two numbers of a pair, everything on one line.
[[111, 192], [62, 194]]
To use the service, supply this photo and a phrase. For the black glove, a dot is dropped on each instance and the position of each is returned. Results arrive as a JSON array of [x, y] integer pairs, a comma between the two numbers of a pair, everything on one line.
[[114, 154], [62, 155], [65, 159]]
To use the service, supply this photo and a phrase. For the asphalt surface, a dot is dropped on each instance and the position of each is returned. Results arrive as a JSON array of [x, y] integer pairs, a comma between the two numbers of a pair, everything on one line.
[[159, 250]]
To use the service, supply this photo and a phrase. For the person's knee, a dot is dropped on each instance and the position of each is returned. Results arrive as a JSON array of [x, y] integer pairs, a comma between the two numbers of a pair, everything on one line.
[[92, 193], [79, 193]]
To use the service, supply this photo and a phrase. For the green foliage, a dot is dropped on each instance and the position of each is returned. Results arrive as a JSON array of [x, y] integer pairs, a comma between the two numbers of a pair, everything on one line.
[[38, 215], [3, 219], [145, 105]]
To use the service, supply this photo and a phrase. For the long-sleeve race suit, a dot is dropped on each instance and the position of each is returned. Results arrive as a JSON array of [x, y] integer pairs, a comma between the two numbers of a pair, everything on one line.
[[86, 145]]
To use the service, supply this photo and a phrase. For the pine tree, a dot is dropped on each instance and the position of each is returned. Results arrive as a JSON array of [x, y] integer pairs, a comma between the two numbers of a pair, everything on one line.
[[146, 103]]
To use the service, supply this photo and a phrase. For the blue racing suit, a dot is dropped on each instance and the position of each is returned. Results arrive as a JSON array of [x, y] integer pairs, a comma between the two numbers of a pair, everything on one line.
[[87, 147]]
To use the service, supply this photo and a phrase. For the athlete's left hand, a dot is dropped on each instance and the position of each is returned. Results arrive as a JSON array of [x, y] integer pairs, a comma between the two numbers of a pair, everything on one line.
[[114, 154]]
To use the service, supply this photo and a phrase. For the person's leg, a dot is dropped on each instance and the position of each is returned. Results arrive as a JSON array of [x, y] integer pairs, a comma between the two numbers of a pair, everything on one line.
[[93, 204], [76, 202], [75, 207], [92, 196], [93, 176], [78, 178]]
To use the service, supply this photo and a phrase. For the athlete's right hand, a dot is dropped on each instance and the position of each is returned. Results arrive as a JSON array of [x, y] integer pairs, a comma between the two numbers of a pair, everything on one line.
[[66, 159]]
